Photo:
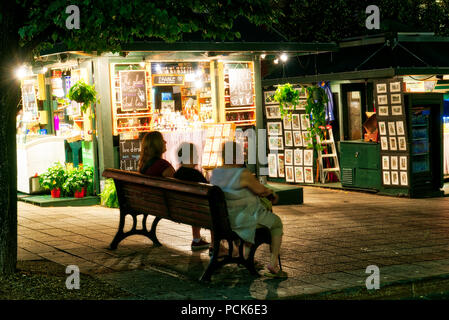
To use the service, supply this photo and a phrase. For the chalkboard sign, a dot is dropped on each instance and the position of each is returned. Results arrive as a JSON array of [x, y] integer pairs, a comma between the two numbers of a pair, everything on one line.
[[168, 80], [240, 87], [129, 154], [133, 90]]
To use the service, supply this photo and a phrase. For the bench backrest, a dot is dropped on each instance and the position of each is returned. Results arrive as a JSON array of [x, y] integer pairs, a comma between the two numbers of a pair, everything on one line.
[[196, 204]]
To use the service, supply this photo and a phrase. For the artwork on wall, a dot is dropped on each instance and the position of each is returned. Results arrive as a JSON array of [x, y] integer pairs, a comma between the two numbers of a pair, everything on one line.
[[296, 122], [275, 143], [382, 128], [404, 178], [268, 97], [383, 111], [299, 174], [272, 165], [297, 139], [385, 163], [382, 99], [396, 110], [386, 177], [288, 139], [395, 98], [273, 112], [308, 157], [308, 174], [381, 88], [394, 163], [393, 144], [281, 165], [391, 128], [305, 121], [400, 128], [402, 144], [298, 157], [403, 163], [384, 143], [289, 177], [287, 123], [289, 157], [395, 86], [394, 178], [274, 128]]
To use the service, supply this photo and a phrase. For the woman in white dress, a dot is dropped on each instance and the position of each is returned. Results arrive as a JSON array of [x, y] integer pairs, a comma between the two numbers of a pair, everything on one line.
[[246, 211]]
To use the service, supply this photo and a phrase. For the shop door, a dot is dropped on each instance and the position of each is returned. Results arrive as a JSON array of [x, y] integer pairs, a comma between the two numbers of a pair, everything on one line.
[[354, 99]]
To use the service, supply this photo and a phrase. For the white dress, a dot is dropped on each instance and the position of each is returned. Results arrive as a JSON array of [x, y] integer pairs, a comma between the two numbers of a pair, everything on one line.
[[245, 209]]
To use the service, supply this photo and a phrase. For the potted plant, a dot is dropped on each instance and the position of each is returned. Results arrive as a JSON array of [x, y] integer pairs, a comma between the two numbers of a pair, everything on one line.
[[288, 98], [85, 174], [53, 179], [83, 93]]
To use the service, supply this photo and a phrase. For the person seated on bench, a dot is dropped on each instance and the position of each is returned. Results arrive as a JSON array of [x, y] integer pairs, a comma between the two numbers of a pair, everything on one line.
[[150, 163], [188, 157], [245, 209]]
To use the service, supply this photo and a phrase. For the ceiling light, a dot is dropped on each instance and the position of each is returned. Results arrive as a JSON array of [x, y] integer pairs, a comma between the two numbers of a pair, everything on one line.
[[276, 61], [263, 55], [21, 72], [284, 57]]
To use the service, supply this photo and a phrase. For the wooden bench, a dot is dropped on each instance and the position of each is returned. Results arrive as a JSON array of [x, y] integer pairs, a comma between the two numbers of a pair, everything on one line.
[[196, 204]]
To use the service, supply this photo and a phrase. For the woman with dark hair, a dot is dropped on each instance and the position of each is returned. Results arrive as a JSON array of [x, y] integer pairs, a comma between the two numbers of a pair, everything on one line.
[[150, 163], [245, 209]]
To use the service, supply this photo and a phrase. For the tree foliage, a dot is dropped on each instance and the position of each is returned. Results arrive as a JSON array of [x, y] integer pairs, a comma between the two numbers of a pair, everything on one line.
[[317, 20]]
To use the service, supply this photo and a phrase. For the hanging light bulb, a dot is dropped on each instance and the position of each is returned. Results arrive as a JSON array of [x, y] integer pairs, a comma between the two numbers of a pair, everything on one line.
[[284, 57], [21, 72], [276, 61], [263, 55]]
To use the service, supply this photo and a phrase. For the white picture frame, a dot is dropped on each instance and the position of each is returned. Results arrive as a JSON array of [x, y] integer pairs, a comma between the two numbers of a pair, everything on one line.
[[404, 178], [391, 128], [382, 128], [308, 157], [394, 163], [275, 143], [288, 157], [402, 143], [297, 139], [385, 163], [281, 165], [305, 121], [384, 143], [296, 122], [287, 123], [386, 178], [403, 163], [288, 138], [267, 97], [383, 111], [396, 110], [393, 143], [381, 88], [400, 128], [302, 104], [382, 99], [289, 174], [395, 178], [395, 86], [305, 139], [308, 174], [273, 111], [272, 165], [299, 174], [297, 157], [396, 98], [274, 128]]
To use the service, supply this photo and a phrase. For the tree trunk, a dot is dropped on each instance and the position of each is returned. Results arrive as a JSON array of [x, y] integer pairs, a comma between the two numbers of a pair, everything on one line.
[[10, 57]]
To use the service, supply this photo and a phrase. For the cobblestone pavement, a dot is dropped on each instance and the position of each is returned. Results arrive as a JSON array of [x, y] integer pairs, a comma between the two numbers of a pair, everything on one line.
[[328, 243]]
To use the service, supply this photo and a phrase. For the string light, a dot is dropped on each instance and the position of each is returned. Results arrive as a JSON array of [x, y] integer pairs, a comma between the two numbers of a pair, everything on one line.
[[284, 57]]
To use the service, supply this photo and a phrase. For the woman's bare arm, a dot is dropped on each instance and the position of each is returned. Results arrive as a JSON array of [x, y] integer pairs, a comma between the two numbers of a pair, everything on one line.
[[248, 180], [169, 172]]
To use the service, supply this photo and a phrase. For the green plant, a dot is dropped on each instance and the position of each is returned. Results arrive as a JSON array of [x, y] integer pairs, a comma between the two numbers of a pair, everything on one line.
[[84, 93], [287, 97], [316, 103], [53, 178], [77, 178], [109, 195]]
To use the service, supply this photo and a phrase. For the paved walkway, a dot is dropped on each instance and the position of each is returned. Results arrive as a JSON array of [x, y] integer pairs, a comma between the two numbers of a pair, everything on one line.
[[328, 243]]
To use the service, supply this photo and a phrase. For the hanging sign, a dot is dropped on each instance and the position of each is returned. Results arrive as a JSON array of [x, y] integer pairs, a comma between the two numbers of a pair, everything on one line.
[[240, 87], [168, 80], [129, 154], [133, 90]]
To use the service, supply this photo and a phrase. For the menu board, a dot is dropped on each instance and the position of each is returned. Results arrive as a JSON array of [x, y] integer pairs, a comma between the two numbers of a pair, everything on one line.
[[129, 154], [240, 87], [133, 90]]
